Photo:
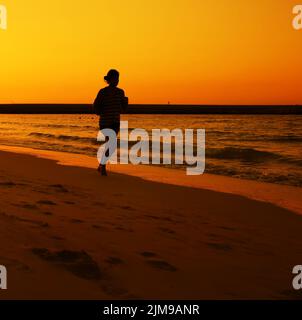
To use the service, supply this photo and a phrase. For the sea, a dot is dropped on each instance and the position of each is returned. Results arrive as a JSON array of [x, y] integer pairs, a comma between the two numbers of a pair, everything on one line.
[[256, 147]]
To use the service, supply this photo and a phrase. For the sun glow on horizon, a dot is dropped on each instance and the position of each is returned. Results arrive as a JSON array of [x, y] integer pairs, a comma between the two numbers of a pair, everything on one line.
[[203, 52]]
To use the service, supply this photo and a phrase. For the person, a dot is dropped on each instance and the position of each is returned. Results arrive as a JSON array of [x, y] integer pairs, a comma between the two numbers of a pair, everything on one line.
[[109, 104]]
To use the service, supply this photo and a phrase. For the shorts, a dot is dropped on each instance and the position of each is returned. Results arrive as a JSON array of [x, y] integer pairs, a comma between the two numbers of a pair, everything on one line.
[[115, 126]]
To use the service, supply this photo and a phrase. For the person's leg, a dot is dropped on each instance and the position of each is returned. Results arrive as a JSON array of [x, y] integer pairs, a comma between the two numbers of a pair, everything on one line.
[[106, 155], [102, 165], [109, 151], [116, 128]]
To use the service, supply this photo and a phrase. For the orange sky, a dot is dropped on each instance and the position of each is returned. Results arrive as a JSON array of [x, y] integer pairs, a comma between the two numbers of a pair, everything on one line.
[[182, 51]]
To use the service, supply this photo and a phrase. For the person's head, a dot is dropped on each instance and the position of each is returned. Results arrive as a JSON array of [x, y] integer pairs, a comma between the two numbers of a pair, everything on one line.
[[112, 77]]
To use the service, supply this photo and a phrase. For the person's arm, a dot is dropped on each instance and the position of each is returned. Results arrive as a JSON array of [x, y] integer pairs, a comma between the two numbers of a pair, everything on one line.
[[125, 102], [97, 105]]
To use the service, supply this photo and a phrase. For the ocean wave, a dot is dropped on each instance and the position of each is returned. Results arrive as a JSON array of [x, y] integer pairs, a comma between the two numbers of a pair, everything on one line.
[[226, 153], [287, 178], [285, 139], [64, 126], [275, 139], [42, 135], [250, 155], [49, 125], [244, 154], [63, 137]]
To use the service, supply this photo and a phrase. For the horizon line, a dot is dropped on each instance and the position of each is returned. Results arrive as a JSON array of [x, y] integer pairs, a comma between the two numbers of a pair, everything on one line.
[[152, 109], [158, 104]]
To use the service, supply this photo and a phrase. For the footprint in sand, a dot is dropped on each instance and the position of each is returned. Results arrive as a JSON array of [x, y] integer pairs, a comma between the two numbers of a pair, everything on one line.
[[148, 254], [166, 219], [219, 246], [167, 230], [78, 263], [162, 265], [226, 228], [47, 213], [121, 228], [47, 202], [69, 202], [96, 226], [126, 208], [59, 188], [27, 206], [158, 264], [7, 184], [114, 261], [76, 221], [34, 222]]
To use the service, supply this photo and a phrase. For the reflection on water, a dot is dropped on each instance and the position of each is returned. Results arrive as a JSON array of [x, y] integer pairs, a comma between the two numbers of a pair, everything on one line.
[[265, 148]]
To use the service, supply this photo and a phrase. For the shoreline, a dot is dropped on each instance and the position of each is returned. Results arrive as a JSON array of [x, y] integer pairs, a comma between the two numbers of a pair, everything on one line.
[[285, 196]]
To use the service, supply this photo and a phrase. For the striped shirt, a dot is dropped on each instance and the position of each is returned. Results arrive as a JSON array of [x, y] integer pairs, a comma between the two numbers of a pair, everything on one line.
[[109, 104]]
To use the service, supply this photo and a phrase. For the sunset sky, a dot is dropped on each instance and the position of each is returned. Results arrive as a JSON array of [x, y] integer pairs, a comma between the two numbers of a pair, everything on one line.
[[182, 51]]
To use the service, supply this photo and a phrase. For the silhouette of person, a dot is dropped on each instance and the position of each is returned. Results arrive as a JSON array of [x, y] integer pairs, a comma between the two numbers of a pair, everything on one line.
[[109, 104]]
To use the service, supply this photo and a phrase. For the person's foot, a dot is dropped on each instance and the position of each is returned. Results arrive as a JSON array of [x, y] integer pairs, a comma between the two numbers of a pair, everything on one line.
[[104, 171]]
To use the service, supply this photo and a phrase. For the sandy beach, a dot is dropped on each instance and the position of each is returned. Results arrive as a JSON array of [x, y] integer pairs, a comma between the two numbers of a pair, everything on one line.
[[68, 233]]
